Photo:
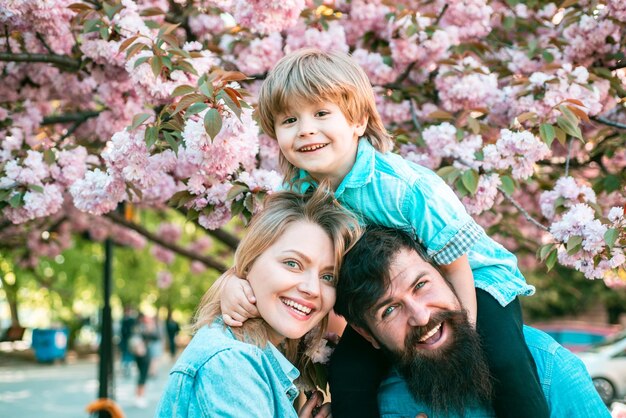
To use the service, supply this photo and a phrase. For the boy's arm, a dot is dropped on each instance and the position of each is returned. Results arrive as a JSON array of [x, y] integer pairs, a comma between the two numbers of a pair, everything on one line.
[[237, 301], [460, 276]]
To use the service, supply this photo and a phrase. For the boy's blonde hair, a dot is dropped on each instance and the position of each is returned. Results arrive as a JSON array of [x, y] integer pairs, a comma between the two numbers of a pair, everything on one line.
[[281, 210], [311, 75]]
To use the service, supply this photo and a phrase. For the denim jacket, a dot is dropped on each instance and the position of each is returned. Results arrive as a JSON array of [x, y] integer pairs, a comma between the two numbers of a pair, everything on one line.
[[386, 189], [564, 379], [220, 376]]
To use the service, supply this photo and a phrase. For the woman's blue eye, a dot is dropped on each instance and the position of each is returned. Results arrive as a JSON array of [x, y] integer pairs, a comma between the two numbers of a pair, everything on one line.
[[328, 278]]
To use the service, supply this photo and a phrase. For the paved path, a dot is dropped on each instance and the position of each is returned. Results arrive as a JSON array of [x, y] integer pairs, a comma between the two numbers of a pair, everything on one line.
[[32, 390]]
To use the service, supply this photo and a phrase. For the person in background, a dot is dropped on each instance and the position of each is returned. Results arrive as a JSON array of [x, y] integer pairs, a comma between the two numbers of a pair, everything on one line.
[[126, 329], [172, 329]]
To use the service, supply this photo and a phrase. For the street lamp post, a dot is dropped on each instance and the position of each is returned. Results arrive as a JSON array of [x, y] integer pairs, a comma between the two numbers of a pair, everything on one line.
[[106, 332]]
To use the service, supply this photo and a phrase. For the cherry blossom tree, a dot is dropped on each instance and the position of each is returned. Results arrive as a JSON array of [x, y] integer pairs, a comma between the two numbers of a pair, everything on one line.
[[149, 105]]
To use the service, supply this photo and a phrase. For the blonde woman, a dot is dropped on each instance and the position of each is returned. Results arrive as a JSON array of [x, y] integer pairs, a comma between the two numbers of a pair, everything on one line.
[[290, 256]]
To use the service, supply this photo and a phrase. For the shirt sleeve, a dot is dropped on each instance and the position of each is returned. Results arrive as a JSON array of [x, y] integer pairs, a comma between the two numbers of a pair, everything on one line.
[[235, 383], [572, 393], [439, 219]]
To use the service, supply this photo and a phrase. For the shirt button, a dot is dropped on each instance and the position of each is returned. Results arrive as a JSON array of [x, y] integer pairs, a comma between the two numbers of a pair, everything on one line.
[[421, 415]]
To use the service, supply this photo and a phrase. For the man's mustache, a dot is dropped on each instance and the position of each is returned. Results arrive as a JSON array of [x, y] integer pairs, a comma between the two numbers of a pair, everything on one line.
[[416, 333]]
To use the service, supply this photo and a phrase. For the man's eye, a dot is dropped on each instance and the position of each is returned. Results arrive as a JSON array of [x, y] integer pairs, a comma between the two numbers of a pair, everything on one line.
[[387, 311], [328, 278]]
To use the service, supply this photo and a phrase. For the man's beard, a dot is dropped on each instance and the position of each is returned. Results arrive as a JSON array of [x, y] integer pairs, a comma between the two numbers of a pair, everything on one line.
[[450, 378]]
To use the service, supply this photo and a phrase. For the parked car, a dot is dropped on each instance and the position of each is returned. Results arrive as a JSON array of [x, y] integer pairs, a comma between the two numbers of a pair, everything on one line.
[[577, 336], [606, 363]]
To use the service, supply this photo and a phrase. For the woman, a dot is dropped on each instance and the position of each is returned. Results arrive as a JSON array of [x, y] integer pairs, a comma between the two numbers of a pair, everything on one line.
[[290, 256]]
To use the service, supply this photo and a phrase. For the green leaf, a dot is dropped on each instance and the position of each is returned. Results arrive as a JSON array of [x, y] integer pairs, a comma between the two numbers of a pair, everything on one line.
[[551, 259], [152, 134], [569, 115], [140, 61], [236, 190], [110, 10], [560, 135], [574, 244], [248, 202], [187, 101], [236, 208], [192, 215], [470, 181], [611, 183], [547, 133], [449, 173], [138, 120], [568, 127], [212, 122], [229, 102], [48, 157], [171, 140], [610, 236], [206, 89], [547, 57], [195, 108], [91, 25], [177, 197], [156, 64], [508, 185], [544, 250], [35, 188], [16, 200], [182, 90]]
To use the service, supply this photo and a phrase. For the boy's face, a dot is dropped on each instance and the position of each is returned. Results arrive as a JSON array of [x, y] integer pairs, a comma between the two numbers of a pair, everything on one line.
[[317, 137]]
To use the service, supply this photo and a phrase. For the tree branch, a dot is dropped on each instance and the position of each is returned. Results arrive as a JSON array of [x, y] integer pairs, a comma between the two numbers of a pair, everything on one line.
[[206, 260], [62, 61], [79, 117], [522, 210], [608, 122], [416, 123], [225, 237]]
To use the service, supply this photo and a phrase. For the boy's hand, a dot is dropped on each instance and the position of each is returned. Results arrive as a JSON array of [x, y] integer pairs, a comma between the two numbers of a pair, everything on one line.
[[237, 302]]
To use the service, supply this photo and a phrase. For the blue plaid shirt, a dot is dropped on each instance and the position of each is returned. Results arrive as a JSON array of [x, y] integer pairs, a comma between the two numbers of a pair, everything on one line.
[[386, 189], [220, 376], [566, 385]]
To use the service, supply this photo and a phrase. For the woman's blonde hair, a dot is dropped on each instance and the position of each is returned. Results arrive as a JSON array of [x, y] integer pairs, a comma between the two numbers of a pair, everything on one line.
[[311, 75], [281, 210]]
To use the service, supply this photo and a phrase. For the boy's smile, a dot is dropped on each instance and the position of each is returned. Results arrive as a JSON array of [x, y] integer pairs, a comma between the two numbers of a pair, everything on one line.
[[317, 137]]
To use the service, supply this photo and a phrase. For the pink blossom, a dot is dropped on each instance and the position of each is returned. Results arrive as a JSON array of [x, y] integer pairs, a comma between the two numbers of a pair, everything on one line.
[[442, 142], [164, 279], [37, 204], [98, 192], [587, 39], [162, 254], [268, 16], [201, 245], [333, 39], [261, 180], [268, 153], [205, 26], [580, 220], [485, 195], [467, 85], [375, 67], [365, 16], [470, 17], [571, 193], [419, 156], [261, 54], [169, 232], [517, 150], [197, 267], [217, 218], [617, 10]]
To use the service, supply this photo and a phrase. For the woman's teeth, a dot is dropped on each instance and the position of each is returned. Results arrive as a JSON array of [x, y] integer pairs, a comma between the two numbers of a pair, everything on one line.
[[297, 306]]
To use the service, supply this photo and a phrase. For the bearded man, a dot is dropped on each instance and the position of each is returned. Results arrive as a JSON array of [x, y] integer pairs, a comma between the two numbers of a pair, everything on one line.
[[392, 295]]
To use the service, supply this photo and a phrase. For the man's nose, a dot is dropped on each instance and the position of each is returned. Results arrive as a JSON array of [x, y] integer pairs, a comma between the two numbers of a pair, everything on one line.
[[418, 313]]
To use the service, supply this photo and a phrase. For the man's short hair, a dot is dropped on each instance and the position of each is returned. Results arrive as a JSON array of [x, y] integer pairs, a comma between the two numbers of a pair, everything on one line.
[[364, 275]]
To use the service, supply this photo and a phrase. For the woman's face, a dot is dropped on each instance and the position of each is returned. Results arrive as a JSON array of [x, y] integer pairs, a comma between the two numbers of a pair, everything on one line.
[[293, 281]]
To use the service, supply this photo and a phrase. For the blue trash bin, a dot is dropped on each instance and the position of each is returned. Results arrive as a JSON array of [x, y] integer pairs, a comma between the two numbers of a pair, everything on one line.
[[49, 344]]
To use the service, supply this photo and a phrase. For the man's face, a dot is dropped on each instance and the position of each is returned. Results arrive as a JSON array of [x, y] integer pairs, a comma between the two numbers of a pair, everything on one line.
[[413, 307]]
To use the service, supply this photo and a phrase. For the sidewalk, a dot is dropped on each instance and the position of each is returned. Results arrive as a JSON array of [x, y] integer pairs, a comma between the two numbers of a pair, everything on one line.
[[32, 390]]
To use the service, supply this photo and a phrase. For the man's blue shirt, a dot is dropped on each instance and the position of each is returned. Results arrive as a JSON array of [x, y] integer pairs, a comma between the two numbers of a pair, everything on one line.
[[566, 385], [385, 189], [220, 376]]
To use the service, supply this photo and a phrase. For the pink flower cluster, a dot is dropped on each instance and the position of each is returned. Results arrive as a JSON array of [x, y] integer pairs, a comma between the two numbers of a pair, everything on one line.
[[518, 151], [365, 16], [235, 146], [301, 36], [472, 18], [98, 192], [261, 54], [164, 279], [468, 85], [374, 66], [617, 10], [569, 192], [442, 142], [485, 195], [265, 17], [587, 39]]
